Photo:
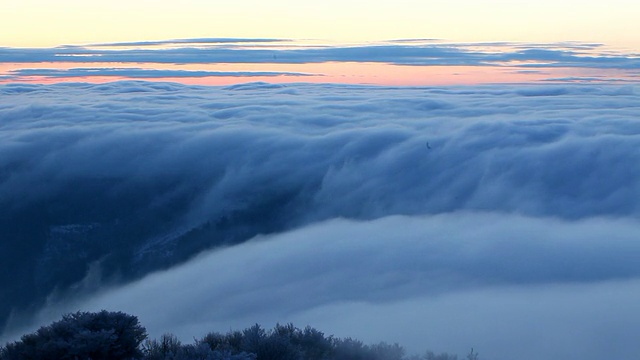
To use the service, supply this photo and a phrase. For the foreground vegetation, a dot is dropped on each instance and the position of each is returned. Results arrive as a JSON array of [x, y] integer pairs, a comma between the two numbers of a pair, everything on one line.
[[119, 336]]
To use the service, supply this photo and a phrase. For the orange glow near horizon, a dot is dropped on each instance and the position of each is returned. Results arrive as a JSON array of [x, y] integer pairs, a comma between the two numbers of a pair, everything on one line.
[[330, 72]]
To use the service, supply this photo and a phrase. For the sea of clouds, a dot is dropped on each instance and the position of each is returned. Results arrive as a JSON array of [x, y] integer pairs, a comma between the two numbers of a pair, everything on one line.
[[499, 217]]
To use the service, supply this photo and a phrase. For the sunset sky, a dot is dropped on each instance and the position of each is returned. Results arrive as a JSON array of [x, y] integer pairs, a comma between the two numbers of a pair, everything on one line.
[[524, 29], [441, 174], [46, 23]]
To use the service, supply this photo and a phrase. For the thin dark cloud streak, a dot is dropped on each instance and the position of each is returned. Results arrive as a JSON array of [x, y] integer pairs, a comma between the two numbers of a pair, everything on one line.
[[534, 55], [190, 41], [142, 73], [585, 79]]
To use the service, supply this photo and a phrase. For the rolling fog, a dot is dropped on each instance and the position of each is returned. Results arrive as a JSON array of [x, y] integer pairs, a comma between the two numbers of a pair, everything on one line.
[[497, 217]]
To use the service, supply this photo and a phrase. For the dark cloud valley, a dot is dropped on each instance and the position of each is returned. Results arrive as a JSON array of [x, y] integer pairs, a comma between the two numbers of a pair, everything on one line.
[[486, 216]]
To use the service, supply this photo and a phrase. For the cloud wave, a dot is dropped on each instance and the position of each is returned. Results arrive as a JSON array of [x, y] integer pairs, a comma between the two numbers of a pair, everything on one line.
[[432, 281], [359, 151]]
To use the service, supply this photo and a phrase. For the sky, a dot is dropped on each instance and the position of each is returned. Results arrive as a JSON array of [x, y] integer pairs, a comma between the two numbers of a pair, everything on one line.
[[604, 28], [42, 23], [441, 174]]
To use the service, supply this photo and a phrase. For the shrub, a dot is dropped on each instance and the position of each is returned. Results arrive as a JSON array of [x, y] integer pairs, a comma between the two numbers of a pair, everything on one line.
[[81, 336]]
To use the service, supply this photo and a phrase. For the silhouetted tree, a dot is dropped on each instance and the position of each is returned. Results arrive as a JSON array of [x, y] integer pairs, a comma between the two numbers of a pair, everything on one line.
[[430, 355], [472, 355], [314, 344], [81, 336], [230, 342], [118, 336], [349, 349], [384, 351], [166, 348]]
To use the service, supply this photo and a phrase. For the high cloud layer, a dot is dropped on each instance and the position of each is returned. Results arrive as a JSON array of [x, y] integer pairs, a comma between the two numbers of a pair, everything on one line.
[[514, 198], [23, 63], [394, 52]]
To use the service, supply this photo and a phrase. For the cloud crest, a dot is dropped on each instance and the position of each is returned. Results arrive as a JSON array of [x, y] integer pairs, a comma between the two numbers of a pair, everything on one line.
[[538, 150], [367, 277]]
